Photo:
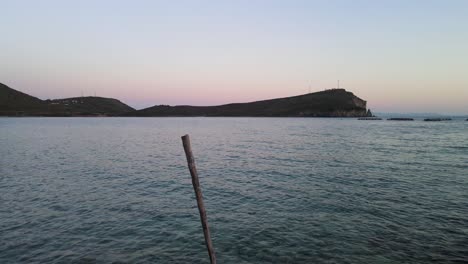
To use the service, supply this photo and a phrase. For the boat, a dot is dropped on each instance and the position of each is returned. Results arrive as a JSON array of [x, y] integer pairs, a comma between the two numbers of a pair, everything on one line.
[[400, 119], [369, 118], [437, 119]]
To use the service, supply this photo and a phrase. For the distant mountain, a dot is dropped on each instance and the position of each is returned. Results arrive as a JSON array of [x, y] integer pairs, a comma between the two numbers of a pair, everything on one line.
[[15, 103], [328, 103]]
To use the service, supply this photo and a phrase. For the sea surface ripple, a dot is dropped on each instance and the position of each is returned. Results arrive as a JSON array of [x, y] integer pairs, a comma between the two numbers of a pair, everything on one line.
[[277, 190]]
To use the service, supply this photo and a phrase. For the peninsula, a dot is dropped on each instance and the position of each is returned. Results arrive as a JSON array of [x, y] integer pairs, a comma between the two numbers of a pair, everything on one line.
[[328, 103]]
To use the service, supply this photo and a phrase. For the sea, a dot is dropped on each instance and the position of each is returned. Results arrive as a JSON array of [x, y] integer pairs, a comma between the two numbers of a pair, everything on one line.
[[276, 190]]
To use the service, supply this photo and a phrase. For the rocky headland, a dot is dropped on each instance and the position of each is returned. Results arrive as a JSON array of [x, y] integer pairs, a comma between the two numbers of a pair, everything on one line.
[[328, 103]]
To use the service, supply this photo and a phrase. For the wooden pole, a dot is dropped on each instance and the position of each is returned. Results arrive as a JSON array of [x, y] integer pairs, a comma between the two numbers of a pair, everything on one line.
[[198, 194]]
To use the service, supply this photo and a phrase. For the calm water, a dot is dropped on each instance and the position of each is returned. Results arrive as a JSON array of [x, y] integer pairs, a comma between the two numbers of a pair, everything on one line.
[[102, 190]]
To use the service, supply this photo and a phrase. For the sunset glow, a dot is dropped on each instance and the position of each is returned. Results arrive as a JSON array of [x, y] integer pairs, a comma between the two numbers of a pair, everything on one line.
[[400, 56]]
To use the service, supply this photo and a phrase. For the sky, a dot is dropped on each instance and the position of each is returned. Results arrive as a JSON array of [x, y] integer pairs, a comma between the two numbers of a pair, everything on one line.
[[398, 55]]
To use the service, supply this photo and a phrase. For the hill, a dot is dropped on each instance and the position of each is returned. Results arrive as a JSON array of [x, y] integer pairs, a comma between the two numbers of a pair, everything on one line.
[[13, 102], [328, 103], [16, 103], [90, 105]]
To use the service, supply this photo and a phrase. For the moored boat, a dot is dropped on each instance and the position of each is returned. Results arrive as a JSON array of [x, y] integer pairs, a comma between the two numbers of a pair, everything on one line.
[[400, 119], [369, 118], [437, 119]]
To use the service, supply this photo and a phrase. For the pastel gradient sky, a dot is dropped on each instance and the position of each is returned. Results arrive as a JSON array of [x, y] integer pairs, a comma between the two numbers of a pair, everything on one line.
[[399, 55]]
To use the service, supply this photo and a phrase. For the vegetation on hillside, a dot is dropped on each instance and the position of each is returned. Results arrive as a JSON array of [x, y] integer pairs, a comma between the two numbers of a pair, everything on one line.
[[15, 103], [329, 103]]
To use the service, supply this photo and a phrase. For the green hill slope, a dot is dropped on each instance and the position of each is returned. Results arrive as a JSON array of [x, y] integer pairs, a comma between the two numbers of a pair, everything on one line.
[[91, 105], [13, 102], [16, 103]]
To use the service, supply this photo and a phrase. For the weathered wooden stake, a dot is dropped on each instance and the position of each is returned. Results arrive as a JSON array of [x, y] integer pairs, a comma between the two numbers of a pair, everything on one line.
[[198, 194]]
